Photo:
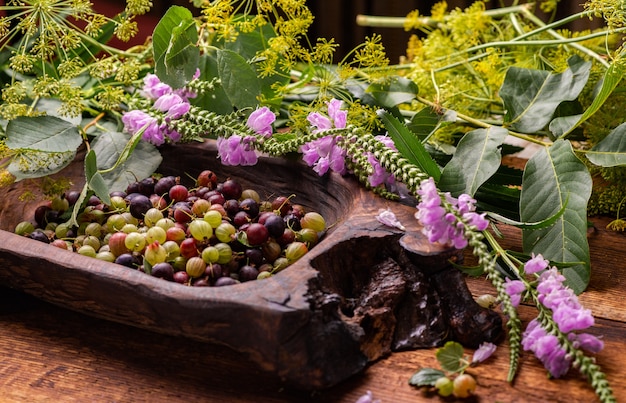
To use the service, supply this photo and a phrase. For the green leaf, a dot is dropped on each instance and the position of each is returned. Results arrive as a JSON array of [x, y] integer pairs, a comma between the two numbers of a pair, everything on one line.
[[94, 178], [215, 100], [426, 377], [476, 159], [393, 91], [123, 161], [239, 79], [450, 355], [28, 164], [174, 47], [531, 96], [555, 179], [500, 199], [42, 133], [610, 151], [427, 121], [548, 222], [409, 146], [612, 77], [78, 207]]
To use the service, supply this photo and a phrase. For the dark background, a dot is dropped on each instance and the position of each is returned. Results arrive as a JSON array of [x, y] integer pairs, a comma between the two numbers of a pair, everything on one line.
[[337, 19]]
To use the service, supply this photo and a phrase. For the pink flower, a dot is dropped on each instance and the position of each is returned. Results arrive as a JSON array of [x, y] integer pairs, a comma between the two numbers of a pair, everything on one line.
[[514, 288], [380, 175], [388, 218], [153, 88], [236, 150], [587, 342], [484, 351], [536, 264], [444, 227], [261, 121], [324, 154], [172, 105], [368, 397]]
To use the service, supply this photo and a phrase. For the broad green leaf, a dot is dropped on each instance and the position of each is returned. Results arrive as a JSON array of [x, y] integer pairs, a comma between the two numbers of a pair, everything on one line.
[[450, 355], [427, 121], [609, 82], [561, 125], [426, 377], [174, 47], [214, 100], [111, 147], [239, 79], [409, 145], [94, 178], [42, 133], [531, 96], [610, 151], [555, 179], [28, 164], [393, 91], [476, 159], [52, 106]]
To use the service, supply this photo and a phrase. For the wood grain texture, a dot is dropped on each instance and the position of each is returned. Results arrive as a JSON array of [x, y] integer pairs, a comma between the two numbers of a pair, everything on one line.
[[49, 353], [351, 300]]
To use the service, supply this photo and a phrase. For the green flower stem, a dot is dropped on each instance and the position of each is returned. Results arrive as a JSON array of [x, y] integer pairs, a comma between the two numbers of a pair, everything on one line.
[[483, 124], [398, 22], [488, 262], [527, 14]]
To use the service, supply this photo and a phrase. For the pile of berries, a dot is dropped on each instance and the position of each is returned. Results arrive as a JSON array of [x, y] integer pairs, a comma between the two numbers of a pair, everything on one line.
[[212, 234]]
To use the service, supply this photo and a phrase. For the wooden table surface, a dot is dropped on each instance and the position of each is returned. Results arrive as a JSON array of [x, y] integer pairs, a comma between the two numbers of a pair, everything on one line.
[[48, 353]]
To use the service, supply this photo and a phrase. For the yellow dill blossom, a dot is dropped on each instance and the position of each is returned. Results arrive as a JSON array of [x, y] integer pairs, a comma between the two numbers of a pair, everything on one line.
[[95, 24], [128, 71], [138, 7], [345, 71], [102, 68], [126, 29], [363, 116], [415, 48], [70, 68], [71, 97], [6, 178], [27, 195], [612, 11], [111, 98], [491, 68], [14, 92], [372, 53], [45, 86], [468, 26], [21, 63], [412, 21], [70, 40], [324, 50], [618, 224], [438, 11], [54, 187], [11, 111], [548, 6]]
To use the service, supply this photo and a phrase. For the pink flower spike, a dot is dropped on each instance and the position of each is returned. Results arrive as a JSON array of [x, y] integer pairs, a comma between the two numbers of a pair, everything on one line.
[[484, 351], [388, 218], [535, 264]]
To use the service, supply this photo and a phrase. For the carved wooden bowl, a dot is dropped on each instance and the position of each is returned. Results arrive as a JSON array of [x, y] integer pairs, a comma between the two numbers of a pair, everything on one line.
[[365, 290]]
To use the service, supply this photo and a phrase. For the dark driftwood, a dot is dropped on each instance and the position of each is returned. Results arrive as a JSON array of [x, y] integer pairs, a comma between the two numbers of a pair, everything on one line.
[[365, 290]]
